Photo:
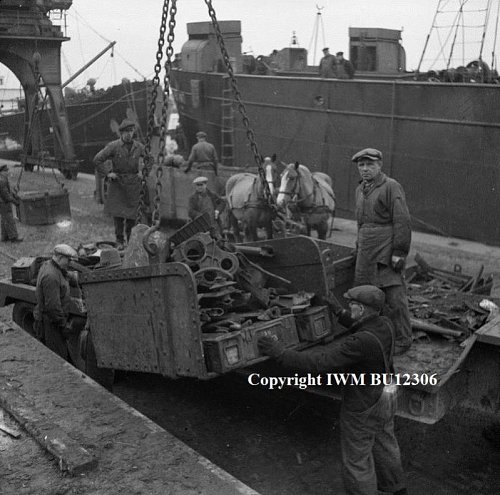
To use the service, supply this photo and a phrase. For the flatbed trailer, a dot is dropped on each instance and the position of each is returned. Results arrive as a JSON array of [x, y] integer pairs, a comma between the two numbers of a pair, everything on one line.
[[147, 319]]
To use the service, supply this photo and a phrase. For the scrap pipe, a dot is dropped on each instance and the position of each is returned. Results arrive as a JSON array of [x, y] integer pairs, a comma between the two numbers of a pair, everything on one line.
[[430, 327]]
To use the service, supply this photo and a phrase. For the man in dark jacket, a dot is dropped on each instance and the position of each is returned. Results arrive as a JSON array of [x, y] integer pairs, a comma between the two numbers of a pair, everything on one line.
[[345, 70], [124, 186], [203, 200], [53, 299], [327, 65], [371, 459], [7, 198], [384, 237], [203, 155]]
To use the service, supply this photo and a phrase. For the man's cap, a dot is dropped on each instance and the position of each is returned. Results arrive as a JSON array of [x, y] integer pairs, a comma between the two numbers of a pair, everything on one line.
[[201, 134], [65, 250], [340, 53], [368, 153], [325, 49], [368, 295], [126, 123], [110, 258], [200, 180]]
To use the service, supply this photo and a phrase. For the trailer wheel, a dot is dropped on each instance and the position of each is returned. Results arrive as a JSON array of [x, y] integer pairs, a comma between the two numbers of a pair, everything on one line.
[[22, 314]]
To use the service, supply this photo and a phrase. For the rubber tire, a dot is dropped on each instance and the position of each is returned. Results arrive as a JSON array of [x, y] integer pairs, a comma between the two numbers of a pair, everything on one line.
[[22, 314]]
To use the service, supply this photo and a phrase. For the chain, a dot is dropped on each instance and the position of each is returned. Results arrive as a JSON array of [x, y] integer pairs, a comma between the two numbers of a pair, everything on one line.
[[241, 107], [164, 112], [148, 159]]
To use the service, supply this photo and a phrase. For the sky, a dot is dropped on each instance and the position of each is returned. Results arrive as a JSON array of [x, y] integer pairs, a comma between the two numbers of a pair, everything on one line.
[[266, 25]]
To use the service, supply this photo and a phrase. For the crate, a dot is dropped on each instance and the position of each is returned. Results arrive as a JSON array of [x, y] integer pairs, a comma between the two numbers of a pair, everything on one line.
[[224, 352], [228, 351], [284, 328], [25, 270], [43, 208], [314, 323]]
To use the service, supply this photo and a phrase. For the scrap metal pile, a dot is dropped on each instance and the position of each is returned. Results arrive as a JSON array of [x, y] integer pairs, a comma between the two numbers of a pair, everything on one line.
[[447, 302]]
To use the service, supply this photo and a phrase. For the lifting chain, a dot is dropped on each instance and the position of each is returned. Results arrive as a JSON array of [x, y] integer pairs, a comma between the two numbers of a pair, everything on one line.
[[148, 159], [241, 106], [164, 112]]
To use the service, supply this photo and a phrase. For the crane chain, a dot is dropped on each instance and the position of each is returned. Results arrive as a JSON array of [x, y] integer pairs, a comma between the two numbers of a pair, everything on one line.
[[241, 107], [164, 112], [148, 159]]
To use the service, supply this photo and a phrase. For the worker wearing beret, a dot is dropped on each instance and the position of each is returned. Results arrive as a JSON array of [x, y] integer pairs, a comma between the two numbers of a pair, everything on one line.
[[371, 460], [124, 186], [53, 300], [203, 200], [203, 155], [383, 242]]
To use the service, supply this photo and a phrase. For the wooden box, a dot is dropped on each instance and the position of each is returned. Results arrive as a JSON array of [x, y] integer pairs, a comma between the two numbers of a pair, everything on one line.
[[314, 323], [23, 271], [224, 352], [43, 207]]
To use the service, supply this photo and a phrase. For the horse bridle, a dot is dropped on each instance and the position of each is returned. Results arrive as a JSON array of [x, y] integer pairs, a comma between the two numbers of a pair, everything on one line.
[[296, 189]]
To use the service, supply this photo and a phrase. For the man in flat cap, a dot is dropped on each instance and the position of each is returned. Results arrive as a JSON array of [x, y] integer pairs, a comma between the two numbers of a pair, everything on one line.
[[328, 65], [7, 198], [124, 182], [203, 200], [203, 155], [53, 300], [345, 70], [384, 237], [371, 459]]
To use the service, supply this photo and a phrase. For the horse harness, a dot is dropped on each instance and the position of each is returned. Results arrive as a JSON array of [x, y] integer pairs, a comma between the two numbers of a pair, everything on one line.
[[307, 209]]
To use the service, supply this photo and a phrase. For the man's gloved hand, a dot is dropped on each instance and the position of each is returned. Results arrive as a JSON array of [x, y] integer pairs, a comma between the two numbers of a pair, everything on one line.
[[112, 176], [270, 346], [216, 214], [398, 263]]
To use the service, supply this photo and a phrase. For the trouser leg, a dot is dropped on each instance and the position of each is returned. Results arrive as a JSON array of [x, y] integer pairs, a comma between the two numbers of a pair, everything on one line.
[[387, 458], [9, 229], [54, 339], [129, 223], [119, 224], [358, 468], [397, 310]]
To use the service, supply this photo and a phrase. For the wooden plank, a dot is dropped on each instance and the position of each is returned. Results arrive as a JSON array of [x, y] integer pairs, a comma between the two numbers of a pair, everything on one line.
[[9, 431], [490, 332]]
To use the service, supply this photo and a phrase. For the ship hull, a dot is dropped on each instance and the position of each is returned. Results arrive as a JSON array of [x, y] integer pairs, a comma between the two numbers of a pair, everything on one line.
[[93, 121], [440, 141]]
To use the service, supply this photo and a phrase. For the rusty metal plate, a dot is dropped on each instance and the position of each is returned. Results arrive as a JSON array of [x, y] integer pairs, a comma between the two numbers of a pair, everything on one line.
[[146, 319]]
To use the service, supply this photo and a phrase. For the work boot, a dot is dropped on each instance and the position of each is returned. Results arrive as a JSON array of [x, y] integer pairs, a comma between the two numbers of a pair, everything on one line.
[[492, 434]]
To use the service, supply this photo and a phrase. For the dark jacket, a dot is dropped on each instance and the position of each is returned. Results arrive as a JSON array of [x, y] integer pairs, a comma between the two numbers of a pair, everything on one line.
[[124, 192], [203, 152], [385, 204], [201, 202], [357, 353], [52, 294], [6, 195]]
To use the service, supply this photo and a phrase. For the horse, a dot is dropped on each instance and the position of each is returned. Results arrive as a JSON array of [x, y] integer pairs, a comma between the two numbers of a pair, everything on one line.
[[312, 195], [247, 202]]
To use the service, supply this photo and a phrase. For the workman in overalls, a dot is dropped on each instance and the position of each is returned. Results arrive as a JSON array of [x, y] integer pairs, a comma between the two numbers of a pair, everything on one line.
[[53, 300], [371, 460], [384, 237], [203, 155], [124, 182], [7, 198], [203, 200]]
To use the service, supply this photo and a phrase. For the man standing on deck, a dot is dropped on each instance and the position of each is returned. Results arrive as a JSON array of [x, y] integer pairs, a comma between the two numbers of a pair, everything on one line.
[[328, 65], [203, 155], [345, 70], [203, 200], [384, 237], [7, 197], [124, 186]]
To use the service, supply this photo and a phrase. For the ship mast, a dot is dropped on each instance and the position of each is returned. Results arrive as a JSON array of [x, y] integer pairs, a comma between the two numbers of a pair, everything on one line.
[[318, 25], [454, 25]]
